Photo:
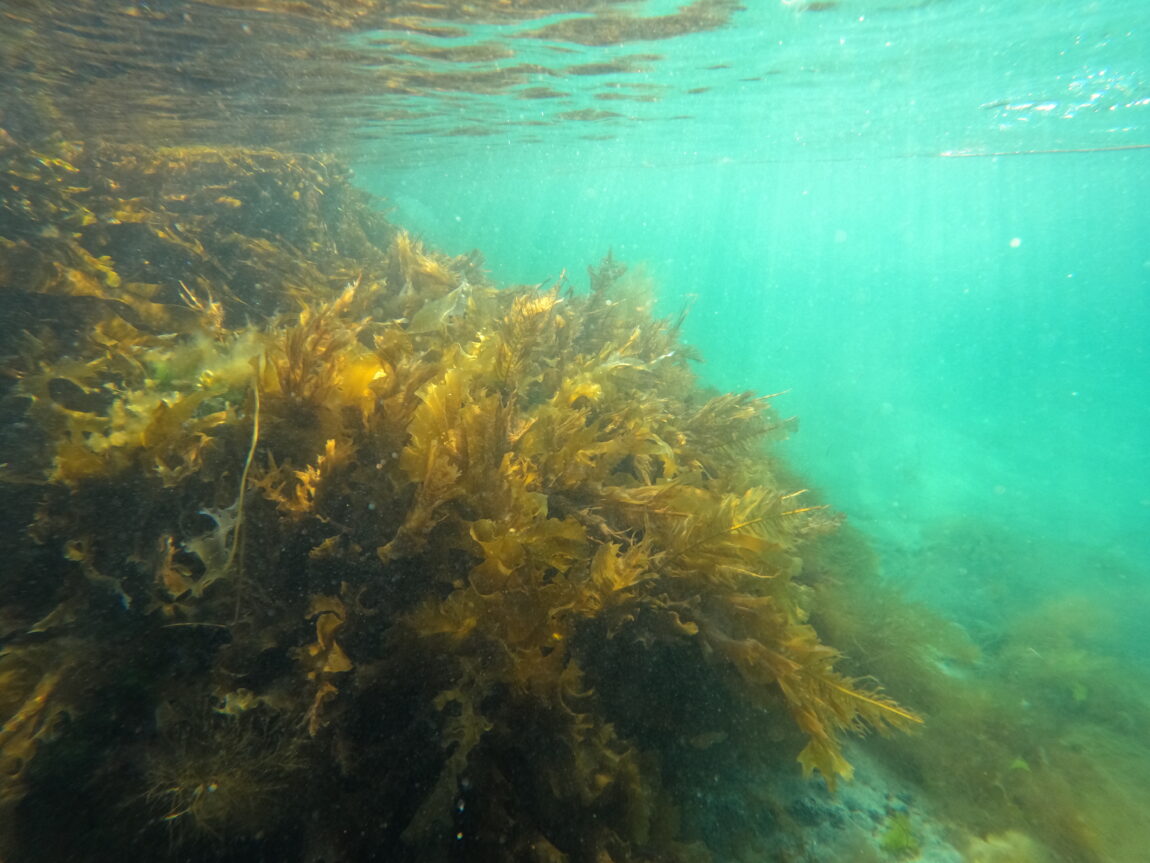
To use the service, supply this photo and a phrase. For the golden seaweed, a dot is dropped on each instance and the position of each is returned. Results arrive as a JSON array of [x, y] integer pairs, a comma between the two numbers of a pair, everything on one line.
[[391, 514]]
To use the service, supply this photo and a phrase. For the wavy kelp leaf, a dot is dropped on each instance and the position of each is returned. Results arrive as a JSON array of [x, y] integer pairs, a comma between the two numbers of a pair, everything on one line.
[[324, 658], [763, 643], [462, 733]]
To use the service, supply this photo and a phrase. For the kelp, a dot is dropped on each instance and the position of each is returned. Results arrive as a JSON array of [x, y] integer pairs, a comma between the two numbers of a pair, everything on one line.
[[352, 528]]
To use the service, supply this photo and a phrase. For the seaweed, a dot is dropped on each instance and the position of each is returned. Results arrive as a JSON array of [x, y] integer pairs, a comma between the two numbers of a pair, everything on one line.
[[375, 526], [898, 837]]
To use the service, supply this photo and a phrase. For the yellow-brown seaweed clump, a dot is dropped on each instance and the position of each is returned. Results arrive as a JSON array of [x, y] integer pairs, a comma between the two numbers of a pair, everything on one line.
[[303, 523]]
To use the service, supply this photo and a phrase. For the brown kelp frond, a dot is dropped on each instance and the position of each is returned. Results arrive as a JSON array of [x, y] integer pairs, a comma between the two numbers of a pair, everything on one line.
[[729, 427], [29, 703], [532, 321], [305, 361], [420, 277], [45, 683], [463, 730], [710, 535], [160, 401], [776, 652]]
